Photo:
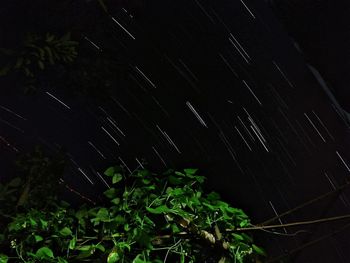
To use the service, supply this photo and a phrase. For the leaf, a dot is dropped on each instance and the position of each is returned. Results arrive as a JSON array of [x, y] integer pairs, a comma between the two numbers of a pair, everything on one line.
[[109, 171], [84, 248], [65, 231], [237, 237], [259, 250], [100, 247], [3, 258], [244, 223], [38, 238], [159, 210], [62, 260], [117, 178], [72, 243], [103, 215], [174, 180], [41, 65], [44, 253], [43, 223], [15, 182], [138, 259], [32, 222], [190, 171], [113, 257], [213, 196], [115, 201], [110, 193]]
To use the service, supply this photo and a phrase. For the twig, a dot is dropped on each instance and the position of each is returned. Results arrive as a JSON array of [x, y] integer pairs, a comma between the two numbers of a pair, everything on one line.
[[314, 200], [278, 258], [323, 220]]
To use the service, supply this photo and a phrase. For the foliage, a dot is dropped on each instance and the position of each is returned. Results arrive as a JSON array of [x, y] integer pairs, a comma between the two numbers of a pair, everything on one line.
[[148, 218], [36, 53]]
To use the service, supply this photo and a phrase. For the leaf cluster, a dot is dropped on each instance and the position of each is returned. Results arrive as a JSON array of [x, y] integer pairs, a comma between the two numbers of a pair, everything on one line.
[[147, 218], [36, 53]]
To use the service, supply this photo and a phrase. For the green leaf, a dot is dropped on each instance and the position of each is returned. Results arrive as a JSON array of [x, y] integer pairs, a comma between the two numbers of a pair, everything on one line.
[[100, 247], [117, 178], [259, 250], [103, 215], [61, 260], [84, 248], [244, 223], [115, 201], [237, 237], [110, 193], [44, 253], [38, 238], [146, 181], [3, 258], [65, 231], [32, 222], [213, 196], [72, 243], [159, 210], [174, 180], [15, 182], [138, 259], [109, 171], [43, 223], [190, 171], [113, 257]]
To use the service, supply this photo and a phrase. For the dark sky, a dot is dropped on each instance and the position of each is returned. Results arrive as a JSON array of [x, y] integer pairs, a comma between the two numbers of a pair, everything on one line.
[[216, 85]]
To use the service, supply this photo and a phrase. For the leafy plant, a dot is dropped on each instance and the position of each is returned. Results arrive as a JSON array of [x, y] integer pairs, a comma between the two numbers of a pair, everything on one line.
[[36, 53], [148, 218]]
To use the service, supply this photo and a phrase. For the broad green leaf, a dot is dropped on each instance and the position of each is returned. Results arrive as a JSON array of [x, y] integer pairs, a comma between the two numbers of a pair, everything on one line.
[[109, 171], [159, 210], [139, 259], [115, 201], [84, 248], [110, 193], [44, 253], [213, 196], [146, 181], [61, 260], [190, 171], [65, 231], [3, 258], [43, 223], [174, 180], [38, 238], [117, 178], [100, 247], [244, 223], [32, 222], [102, 213], [237, 237], [113, 257], [72, 243], [259, 250]]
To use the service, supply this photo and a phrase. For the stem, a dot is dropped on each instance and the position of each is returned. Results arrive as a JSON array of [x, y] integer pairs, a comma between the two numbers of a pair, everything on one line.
[[278, 258], [314, 200], [323, 220]]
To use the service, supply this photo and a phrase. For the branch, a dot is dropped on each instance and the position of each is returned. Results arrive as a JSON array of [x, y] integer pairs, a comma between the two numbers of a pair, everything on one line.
[[338, 189]]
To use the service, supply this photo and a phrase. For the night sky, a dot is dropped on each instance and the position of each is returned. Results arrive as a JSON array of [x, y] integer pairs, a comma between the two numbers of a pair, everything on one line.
[[217, 85]]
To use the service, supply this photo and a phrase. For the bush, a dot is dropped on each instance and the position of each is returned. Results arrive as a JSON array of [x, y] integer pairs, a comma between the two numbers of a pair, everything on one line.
[[147, 218]]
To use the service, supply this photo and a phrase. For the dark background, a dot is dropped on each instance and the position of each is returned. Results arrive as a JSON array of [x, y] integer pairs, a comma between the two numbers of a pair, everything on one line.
[[183, 48]]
